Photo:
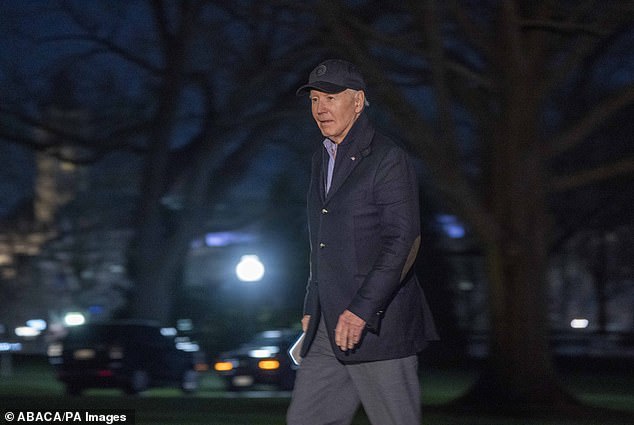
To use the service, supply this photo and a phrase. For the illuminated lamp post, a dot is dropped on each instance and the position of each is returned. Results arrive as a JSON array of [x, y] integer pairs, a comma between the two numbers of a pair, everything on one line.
[[250, 269]]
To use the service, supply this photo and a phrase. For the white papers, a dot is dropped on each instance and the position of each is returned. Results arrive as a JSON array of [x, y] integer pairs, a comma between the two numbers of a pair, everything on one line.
[[296, 348]]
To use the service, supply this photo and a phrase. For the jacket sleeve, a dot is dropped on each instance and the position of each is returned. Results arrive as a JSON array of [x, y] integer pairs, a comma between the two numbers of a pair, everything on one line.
[[395, 192]]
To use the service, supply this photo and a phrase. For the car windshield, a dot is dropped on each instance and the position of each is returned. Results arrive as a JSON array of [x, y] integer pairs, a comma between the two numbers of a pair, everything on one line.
[[272, 337]]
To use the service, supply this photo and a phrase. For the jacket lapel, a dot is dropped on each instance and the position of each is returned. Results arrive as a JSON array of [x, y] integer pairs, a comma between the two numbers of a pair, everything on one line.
[[350, 153], [323, 173], [346, 162], [318, 173]]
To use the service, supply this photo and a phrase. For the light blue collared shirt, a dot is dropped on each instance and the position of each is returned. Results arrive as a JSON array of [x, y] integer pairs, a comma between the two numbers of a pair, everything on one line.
[[331, 148]]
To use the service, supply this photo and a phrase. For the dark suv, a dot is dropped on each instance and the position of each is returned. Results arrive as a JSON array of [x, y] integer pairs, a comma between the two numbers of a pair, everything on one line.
[[263, 360], [130, 356]]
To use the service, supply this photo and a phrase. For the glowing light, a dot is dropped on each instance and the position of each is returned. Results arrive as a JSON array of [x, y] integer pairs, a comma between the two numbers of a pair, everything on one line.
[[55, 349], [579, 323], [169, 331], [451, 226], [74, 319], [10, 346], [26, 331], [270, 364], [38, 324], [220, 239], [95, 309], [250, 269], [223, 366], [184, 325], [188, 346], [264, 352], [201, 367]]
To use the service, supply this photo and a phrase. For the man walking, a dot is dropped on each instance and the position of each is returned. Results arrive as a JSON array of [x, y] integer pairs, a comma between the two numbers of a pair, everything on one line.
[[365, 316]]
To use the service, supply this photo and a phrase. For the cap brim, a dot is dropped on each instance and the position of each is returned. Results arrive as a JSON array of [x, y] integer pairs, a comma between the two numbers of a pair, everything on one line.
[[322, 86]]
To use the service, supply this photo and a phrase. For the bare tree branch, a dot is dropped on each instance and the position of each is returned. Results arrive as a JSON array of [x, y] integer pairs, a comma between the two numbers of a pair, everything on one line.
[[563, 27], [587, 177], [590, 122], [107, 46], [41, 127], [447, 172], [474, 33], [581, 46]]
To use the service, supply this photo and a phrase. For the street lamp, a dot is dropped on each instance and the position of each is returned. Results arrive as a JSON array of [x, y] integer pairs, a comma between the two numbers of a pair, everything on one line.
[[250, 268]]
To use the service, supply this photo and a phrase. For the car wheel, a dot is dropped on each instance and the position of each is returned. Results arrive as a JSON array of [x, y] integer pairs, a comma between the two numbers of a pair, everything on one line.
[[139, 382], [73, 390], [190, 381], [287, 381]]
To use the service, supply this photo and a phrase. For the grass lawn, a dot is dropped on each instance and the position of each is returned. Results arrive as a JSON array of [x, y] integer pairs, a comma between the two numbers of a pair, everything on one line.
[[32, 386]]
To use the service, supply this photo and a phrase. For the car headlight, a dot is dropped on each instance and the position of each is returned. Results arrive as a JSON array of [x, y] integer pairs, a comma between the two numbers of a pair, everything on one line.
[[190, 347]]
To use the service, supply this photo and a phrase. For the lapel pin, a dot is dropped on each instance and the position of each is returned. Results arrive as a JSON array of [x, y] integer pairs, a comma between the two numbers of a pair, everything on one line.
[[353, 158]]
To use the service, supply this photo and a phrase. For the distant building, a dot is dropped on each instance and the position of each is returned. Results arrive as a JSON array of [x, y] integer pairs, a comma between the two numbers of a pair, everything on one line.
[[60, 250]]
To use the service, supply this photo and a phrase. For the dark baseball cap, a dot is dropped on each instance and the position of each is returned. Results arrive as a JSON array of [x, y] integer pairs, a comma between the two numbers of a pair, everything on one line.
[[333, 76]]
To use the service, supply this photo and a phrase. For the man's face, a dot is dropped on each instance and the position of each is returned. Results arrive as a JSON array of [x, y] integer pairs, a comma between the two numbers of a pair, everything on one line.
[[335, 113]]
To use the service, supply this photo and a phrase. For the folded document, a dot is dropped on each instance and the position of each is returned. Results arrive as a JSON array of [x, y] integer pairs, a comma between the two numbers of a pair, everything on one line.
[[296, 348]]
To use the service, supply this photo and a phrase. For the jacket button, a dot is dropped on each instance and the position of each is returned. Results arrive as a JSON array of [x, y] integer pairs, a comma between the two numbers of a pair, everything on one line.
[[322, 245], [324, 211]]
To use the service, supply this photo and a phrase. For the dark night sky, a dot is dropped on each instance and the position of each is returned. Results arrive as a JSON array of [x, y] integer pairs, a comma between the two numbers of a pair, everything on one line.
[[26, 60], [16, 177]]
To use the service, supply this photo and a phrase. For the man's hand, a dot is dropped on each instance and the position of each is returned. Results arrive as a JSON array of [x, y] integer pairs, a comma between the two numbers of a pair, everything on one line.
[[348, 331]]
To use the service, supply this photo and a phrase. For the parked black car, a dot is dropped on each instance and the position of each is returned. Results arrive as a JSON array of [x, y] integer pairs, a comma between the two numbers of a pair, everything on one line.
[[127, 355], [263, 360]]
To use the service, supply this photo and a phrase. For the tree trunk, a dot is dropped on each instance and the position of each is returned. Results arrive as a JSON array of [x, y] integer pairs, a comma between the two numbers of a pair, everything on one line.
[[154, 290], [519, 372]]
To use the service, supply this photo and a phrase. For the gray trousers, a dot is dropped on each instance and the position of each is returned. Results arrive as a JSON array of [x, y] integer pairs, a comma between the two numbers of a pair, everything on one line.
[[328, 392]]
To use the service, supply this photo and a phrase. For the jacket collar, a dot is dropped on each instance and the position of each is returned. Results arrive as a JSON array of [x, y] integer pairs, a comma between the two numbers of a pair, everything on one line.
[[358, 138]]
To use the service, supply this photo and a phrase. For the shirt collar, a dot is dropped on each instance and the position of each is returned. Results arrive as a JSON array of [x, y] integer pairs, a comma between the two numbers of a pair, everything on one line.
[[331, 147]]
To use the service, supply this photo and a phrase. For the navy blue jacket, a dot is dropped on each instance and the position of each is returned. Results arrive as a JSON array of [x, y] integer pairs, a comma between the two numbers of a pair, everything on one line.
[[364, 236]]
